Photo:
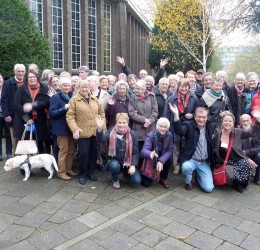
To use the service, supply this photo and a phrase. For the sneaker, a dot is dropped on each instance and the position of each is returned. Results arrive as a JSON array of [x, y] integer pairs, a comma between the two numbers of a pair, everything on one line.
[[176, 170], [116, 184]]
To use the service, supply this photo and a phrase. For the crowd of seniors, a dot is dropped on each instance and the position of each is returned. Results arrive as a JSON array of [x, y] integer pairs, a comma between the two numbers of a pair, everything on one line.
[[138, 126]]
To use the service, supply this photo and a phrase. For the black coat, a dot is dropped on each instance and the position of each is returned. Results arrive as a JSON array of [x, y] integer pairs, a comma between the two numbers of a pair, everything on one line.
[[191, 132], [40, 105]]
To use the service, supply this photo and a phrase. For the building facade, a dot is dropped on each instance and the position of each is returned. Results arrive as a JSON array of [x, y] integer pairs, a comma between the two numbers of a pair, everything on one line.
[[93, 33]]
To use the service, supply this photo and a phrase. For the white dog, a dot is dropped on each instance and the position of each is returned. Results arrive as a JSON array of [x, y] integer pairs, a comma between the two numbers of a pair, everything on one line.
[[36, 161]]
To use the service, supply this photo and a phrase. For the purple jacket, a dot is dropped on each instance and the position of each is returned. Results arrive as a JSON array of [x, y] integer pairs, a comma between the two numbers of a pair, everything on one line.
[[149, 147]]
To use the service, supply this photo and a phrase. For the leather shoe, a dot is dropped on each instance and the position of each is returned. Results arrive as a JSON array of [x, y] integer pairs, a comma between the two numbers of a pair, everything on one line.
[[164, 183], [188, 186], [92, 177], [82, 180], [64, 176], [71, 173]]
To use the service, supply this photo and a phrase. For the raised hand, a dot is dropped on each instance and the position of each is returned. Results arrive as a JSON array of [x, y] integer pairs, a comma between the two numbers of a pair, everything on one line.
[[164, 62], [50, 93], [100, 121], [174, 109], [121, 60]]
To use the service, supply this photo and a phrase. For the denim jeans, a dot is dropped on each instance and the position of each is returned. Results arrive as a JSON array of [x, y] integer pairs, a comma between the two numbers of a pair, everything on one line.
[[256, 158], [204, 174], [115, 167]]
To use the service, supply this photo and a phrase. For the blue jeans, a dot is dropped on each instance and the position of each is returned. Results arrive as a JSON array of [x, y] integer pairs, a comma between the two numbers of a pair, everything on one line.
[[115, 167], [204, 174], [256, 158]]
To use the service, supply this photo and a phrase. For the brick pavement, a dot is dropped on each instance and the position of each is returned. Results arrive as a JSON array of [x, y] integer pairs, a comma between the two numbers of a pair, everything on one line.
[[56, 214]]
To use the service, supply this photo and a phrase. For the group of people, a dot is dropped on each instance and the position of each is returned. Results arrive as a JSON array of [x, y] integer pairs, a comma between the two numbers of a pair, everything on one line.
[[138, 126]]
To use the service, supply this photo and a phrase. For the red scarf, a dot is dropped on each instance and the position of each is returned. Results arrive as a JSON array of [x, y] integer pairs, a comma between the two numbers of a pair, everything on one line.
[[128, 143], [183, 102], [34, 91]]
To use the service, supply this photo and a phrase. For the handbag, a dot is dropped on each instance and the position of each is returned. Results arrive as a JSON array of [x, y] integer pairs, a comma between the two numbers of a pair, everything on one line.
[[148, 170], [26, 147], [220, 174]]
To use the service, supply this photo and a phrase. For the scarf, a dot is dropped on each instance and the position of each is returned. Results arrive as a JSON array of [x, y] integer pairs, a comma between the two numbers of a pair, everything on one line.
[[128, 143], [210, 98], [34, 91], [239, 91], [183, 102]]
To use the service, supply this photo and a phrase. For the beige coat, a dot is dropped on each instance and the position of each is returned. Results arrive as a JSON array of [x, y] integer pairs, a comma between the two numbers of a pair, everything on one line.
[[82, 115]]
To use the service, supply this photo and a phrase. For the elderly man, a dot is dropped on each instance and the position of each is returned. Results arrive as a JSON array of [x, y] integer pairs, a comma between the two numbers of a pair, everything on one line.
[[8, 97], [251, 147], [197, 153], [83, 72]]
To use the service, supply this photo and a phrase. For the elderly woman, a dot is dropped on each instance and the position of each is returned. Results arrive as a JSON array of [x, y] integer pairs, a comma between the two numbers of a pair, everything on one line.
[[162, 93], [84, 107], [59, 105], [118, 103], [111, 84], [158, 148], [223, 75], [238, 165], [149, 80], [103, 82], [173, 83], [131, 79], [186, 102], [237, 96], [216, 101], [31, 103], [123, 153], [74, 84], [143, 111]]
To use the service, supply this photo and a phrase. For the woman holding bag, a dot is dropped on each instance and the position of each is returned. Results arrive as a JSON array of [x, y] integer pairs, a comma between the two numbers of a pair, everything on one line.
[[238, 164]]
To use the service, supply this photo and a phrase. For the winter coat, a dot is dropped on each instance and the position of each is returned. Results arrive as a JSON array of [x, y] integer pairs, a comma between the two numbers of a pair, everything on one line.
[[191, 132], [119, 106], [161, 101], [57, 114], [139, 110], [149, 147], [40, 105]]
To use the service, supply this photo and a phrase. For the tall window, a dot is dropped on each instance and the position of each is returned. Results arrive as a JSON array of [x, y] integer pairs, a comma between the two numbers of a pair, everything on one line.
[[75, 33], [107, 37], [36, 9], [57, 34], [92, 33]]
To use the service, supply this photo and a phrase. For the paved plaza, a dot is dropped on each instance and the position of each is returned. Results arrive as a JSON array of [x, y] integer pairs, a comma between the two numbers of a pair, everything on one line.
[[57, 214]]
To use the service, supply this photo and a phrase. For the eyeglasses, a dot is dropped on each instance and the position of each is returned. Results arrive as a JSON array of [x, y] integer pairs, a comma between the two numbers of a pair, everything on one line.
[[32, 77]]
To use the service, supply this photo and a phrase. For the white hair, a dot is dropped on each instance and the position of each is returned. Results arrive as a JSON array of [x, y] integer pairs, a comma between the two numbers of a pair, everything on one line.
[[149, 78], [241, 75], [93, 79], [64, 80], [222, 73], [252, 74], [174, 77], [121, 83], [19, 65], [161, 121], [140, 84]]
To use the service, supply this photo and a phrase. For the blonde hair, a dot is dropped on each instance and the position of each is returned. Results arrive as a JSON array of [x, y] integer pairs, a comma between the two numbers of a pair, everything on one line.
[[123, 116]]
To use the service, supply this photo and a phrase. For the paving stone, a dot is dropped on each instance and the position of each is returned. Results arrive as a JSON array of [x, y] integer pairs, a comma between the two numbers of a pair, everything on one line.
[[228, 246], [7, 200], [47, 240], [139, 214], [180, 216], [102, 234], [204, 211], [70, 190], [155, 221], [62, 216], [230, 234], [176, 230], [160, 208], [102, 201], [86, 244], [7, 220], [92, 207], [149, 236], [128, 202], [171, 243], [88, 197], [168, 199], [141, 246], [16, 233], [203, 241], [111, 210], [118, 241], [204, 225], [46, 226], [71, 229], [20, 192], [18, 208], [250, 227], [76, 206], [127, 226], [47, 191], [227, 219], [33, 199], [60, 198], [183, 204], [5, 244], [23, 245], [143, 196], [33, 219], [251, 243], [115, 195], [92, 219], [183, 193], [48, 208], [243, 201], [205, 200], [226, 207], [249, 214]]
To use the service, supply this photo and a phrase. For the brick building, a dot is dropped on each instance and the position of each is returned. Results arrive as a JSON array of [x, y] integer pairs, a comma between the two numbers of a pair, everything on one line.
[[93, 33]]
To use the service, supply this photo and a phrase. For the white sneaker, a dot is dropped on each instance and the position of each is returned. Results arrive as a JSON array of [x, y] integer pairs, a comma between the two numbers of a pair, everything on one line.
[[176, 170], [116, 184]]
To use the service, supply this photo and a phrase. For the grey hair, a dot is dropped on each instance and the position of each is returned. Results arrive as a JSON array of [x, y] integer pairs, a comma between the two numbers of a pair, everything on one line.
[[149, 78], [120, 83], [45, 75], [174, 77], [161, 121], [84, 68], [93, 79], [140, 84], [250, 74], [222, 72], [19, 65], [163, 79]]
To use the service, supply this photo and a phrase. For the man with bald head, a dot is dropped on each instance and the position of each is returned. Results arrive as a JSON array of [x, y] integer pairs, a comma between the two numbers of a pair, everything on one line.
[[251, 146]]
